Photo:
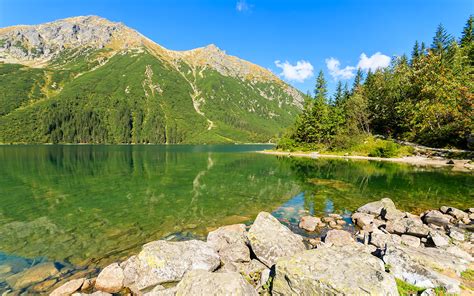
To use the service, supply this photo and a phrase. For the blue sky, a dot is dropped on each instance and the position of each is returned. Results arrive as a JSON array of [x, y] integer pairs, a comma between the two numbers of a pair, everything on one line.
[[293, 38]]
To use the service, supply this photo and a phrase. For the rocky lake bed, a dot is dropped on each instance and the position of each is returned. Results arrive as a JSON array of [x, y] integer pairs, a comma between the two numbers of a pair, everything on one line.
[[380, 250]]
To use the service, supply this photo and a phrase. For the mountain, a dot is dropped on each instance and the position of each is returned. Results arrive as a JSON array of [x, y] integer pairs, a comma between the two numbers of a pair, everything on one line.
[[90, 80]]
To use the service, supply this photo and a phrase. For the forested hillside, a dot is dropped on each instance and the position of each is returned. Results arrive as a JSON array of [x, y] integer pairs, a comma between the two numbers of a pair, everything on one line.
[[89, 80], [425, 98]]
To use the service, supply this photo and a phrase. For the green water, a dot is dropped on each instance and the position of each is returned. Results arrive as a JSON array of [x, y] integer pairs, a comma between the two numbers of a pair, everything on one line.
[[88, 205]]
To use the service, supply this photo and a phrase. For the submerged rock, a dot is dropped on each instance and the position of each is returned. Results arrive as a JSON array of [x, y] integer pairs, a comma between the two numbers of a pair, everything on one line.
[[330, 271], [110, 279], [35, 274], [165, 261], [309, 223], [201, 282], [269, 239], [230, 242]]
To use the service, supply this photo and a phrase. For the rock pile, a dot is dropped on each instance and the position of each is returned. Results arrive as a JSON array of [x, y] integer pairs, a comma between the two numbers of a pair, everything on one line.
[[269, 258]]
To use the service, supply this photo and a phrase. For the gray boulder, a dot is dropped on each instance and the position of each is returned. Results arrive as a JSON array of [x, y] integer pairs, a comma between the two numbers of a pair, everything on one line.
[[436, 217], [230, 242], [439, 238], [332, 271], [201, 282], [422, 266], [411, 241], [456, 213], [164, 261], [375, 208], [270, 240], [362, 219]]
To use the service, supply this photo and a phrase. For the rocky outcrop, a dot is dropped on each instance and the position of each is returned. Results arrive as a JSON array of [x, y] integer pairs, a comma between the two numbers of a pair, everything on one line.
[[270, 240], [201, 282], [164, 261], [426, 268], [329, 271]]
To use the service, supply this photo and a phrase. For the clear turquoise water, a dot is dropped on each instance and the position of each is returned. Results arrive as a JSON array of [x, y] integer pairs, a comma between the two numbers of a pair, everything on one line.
[[87, 205]]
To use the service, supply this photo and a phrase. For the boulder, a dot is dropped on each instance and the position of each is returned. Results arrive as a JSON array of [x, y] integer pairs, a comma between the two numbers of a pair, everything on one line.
[[338, 238], [362, 219], [309, 223], [68, 288], [410, 240], [251, 270], [35, 274], [456, 213], [436, 217], [230, 242], [439, 238], [164, 261], [331, 271], [422, 266], [380, 239], [161, 291], [97, 293], [201, 282], [110, 279], [456, 234], [392, 214], [269, 239], [375, 208]]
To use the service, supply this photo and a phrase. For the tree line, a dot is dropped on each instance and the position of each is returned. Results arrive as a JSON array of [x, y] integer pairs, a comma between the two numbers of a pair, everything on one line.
[[426, 98]]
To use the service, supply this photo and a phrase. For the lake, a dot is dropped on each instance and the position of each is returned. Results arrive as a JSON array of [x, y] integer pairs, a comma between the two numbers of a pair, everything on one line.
[[83, 206]]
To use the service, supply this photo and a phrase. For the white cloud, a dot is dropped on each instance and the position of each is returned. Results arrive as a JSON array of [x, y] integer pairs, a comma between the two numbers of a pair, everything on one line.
[[299, 72], [338, 73], [374, 62], [242, 6]]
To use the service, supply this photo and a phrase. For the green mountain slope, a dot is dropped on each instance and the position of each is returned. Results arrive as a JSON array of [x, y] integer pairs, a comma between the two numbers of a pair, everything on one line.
[[88, 80]]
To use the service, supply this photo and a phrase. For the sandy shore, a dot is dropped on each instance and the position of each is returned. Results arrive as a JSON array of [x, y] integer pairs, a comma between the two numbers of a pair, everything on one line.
[[459, 164]]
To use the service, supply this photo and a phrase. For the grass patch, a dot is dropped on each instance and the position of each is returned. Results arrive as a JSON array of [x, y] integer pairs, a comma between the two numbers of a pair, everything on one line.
[[468, 274], [406, 289]]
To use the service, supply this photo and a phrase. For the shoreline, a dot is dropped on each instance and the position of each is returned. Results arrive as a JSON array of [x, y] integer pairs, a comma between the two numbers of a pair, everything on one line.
[[458, 164]]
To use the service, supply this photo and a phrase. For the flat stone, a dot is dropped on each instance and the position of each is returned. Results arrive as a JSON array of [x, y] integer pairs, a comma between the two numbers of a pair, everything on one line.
[[201, 282], [165, 261], [341, 222], [35, 274], [331, 271], [375, 208], [327, 219], [110, 279], [96, 293], [456, 213], [230, 242], [380, 239], [161, 291], [338, 238], [269, 239], [309, 223], [410, 240], [68, 288]]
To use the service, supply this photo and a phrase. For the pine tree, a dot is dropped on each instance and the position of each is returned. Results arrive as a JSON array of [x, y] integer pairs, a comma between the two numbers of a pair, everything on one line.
[[338, 95], [441, 41], [320, 91], [467, 37], [357, 80], [415, 53], [423, 49]]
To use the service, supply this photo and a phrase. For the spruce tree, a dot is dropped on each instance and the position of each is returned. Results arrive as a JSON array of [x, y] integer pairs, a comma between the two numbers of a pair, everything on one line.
[[357, 80], [467, 37], [441, 41], [415, 53], [422, 49], [320, 91], [338, 95]]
